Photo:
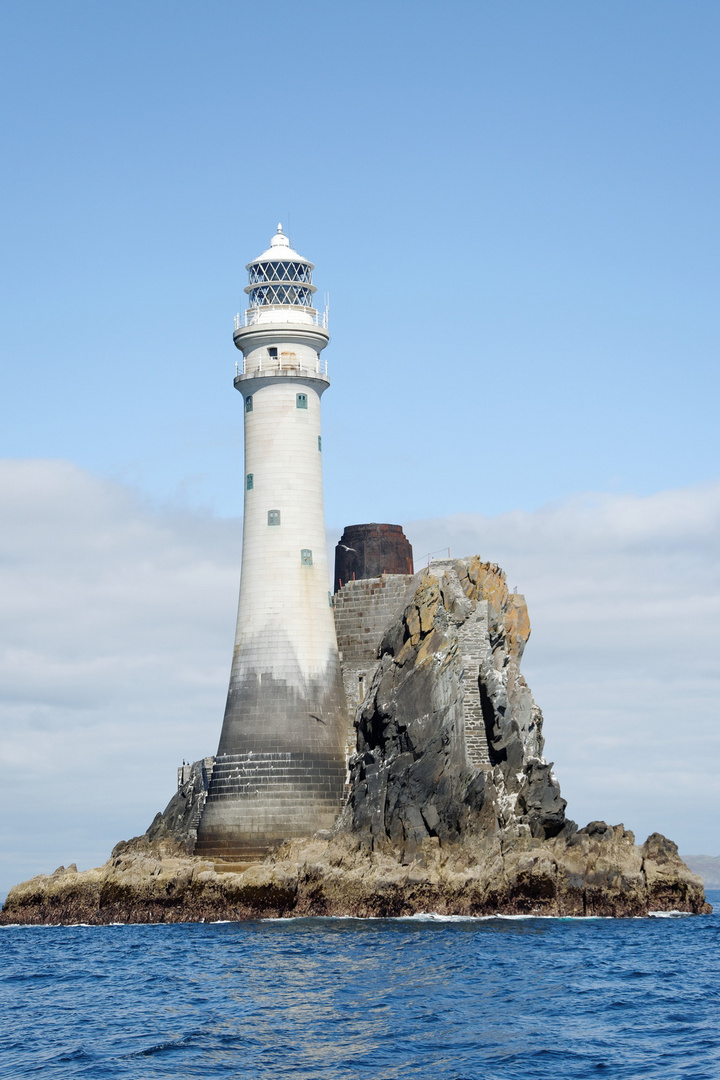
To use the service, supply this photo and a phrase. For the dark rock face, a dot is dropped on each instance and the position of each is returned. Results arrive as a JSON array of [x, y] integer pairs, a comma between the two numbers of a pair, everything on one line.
[[369, 551], [177, 824], [411, 778], [599, 871], [428, 826]]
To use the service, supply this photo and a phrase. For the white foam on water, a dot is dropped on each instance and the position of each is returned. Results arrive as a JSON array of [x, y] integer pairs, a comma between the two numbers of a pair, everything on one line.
[[33, 926], [421, 916], [430, 916]]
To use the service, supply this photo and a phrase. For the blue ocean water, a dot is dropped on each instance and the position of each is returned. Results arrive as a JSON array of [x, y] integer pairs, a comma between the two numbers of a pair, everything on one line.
[[459, 999]]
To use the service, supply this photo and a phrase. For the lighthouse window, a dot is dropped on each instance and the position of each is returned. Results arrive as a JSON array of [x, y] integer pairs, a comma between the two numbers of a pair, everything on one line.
[[306, 557], [248, 404], [319, 442], [280, 271], [273, 517], [249, 482], [272, 353], [280, 294], [301, 401]]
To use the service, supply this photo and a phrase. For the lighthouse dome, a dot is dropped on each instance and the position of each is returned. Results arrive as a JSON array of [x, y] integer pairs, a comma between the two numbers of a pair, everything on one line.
[[280, 249], [280, 276]]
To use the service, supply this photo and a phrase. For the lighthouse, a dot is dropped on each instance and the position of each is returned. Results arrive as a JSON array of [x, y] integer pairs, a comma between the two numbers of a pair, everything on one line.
[[280, 767]]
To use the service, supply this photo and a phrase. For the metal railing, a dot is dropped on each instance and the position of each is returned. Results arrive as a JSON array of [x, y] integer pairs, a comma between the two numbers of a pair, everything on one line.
[[269, 365], [252, 315], [430, 554]]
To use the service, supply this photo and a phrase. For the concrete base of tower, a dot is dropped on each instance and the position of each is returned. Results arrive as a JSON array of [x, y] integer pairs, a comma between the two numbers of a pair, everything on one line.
[[280, 772], [258, 800]]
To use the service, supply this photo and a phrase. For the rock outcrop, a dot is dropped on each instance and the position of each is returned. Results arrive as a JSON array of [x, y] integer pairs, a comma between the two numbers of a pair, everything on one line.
[[452, 807], [412, 776], [599, 871], [176, 827]]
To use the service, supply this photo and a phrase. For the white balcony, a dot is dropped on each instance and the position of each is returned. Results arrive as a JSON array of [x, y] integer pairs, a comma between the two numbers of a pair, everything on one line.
[[281, 313], [267, 365]]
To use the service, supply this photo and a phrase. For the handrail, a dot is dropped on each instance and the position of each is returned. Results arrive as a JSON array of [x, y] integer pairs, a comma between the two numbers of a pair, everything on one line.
[[430, 554], [268, 366], [251, 316]]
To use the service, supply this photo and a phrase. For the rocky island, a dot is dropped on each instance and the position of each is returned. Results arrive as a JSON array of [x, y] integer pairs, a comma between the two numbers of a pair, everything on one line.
[[450, 805]]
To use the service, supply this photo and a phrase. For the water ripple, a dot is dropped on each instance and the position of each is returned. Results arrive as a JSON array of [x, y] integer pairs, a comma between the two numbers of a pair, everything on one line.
[[352, 999]]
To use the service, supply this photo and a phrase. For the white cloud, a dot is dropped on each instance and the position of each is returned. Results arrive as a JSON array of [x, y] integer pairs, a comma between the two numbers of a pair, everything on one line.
[[624, 599], [116, 630]]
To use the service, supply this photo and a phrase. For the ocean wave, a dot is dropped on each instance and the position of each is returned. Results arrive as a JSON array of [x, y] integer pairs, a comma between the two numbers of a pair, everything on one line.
[[428, 995]]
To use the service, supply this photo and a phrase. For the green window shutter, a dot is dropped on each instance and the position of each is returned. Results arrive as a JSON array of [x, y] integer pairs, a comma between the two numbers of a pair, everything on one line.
[[248, 404], [249, 482], [273, 517], [306, 557], [301, 401]]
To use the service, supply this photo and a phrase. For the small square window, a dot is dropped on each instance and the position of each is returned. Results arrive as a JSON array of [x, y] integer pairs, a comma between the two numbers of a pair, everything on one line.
[[306, 557], [248, 404], [273, 517], [319, 442], [249, 482], [301, 401]]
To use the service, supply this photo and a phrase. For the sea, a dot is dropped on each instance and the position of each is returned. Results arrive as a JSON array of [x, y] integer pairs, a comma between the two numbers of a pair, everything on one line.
[[350, 999]]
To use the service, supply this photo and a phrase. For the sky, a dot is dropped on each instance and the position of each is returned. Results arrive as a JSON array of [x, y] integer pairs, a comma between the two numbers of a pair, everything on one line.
[[513, 208]]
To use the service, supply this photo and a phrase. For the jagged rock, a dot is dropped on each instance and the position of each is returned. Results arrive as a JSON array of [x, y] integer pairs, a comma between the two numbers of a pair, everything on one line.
[[424, 829], [598, 871], [411, 777], [174, 831]]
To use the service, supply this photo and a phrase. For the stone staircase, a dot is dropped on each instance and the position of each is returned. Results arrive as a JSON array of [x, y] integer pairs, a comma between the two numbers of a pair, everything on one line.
[[473, 643]]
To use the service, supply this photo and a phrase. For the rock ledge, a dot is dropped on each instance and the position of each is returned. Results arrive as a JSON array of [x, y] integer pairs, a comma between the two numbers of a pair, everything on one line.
[[451, 808], [597, 871]]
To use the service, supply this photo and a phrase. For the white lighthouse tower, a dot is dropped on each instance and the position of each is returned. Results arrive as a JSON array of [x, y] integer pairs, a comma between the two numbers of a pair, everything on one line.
[[280, 766]]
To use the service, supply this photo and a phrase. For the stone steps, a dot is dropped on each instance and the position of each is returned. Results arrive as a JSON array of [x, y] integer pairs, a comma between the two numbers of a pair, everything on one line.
[[277, 783], [234, 853], [473, 645], [279, 796]]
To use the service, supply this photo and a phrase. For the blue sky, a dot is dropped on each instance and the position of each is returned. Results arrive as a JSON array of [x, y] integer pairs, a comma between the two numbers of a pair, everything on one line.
[[513, 206]]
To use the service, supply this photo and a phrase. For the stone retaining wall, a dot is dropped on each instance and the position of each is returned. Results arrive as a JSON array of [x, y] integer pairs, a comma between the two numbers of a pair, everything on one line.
[[363, 611]]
